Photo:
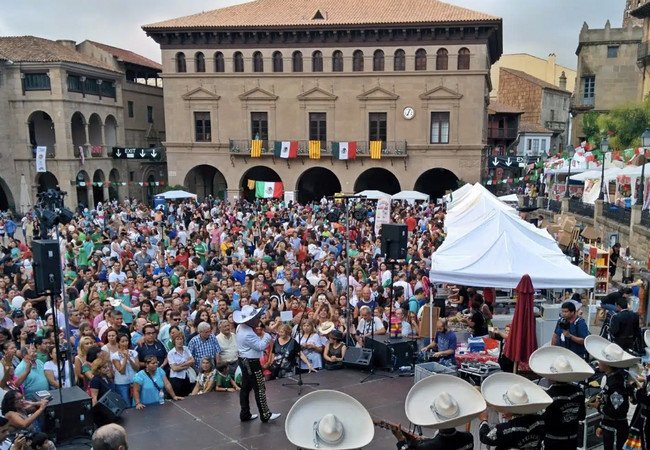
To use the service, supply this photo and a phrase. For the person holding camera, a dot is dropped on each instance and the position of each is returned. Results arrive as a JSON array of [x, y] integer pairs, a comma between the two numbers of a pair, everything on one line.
[[571, 330], [624, 327]]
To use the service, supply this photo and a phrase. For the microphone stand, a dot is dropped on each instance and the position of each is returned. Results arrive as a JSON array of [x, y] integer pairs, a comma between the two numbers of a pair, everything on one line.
[[365, 344], [297, 334]]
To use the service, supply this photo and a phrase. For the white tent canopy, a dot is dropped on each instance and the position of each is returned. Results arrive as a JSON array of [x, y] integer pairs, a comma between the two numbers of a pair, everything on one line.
[[174, 195], [457, 195], [475, 204], [635, 171], [411, 196], [510, 198], [373, 195], [610, 174]]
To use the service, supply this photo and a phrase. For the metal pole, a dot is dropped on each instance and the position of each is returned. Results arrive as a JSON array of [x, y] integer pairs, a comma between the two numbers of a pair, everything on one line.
[[568, 179], [601, 196], [641, 196], [66, 329], [346, 238]]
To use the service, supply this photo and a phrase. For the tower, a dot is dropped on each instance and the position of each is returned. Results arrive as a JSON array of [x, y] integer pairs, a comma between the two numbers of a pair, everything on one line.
[[631, 5]]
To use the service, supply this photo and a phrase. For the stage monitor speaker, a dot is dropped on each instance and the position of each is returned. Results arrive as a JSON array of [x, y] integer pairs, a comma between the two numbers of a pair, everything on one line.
[[394, 240], [70, 419], [393, 353], [110, 406], [47, 265], [357, 358]]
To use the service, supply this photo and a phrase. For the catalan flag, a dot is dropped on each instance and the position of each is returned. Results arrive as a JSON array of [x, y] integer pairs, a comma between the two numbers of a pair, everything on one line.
[[251, 184], [314, 149], [375, 149], [256, 148]]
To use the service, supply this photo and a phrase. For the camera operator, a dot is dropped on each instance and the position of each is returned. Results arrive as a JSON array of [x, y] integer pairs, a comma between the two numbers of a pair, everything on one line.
[[571, 330], [624, 328]]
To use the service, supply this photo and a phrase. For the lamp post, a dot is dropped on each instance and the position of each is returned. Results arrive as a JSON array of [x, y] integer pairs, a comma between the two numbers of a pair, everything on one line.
[[568, 177], [604, 146], [645, 143]]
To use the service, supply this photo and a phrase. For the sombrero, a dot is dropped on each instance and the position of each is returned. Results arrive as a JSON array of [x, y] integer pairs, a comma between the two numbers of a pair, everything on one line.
[[246, 314], [115, 302], [609, 353], [508, 392], [646, 338], [325, 328], [559, 364]]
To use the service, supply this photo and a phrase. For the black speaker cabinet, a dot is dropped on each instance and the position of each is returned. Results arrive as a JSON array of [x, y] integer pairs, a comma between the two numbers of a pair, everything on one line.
[[111, 406], [47, 265], [68, 419], [357, 358], [394, 240], [393, 353]]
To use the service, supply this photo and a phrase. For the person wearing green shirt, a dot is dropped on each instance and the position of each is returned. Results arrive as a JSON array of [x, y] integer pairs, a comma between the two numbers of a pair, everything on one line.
[[223, 381], [82, 255], [353, 251], [69, 275], [201, 250]]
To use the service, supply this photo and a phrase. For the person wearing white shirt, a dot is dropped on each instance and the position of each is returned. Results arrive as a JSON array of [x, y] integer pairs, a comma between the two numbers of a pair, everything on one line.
[[228, 344], [181, 365], [408, 291], [126, 365], [366, 325]]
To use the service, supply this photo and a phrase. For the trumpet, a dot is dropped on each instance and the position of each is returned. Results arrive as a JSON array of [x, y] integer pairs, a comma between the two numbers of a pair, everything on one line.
[[594, 401]]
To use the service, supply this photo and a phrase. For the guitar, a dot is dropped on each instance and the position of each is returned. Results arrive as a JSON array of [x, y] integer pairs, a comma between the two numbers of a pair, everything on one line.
[[394, 428]]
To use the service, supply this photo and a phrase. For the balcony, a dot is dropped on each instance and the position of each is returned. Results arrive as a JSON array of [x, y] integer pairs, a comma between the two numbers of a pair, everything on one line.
[[502, 133], [582, 104], [643, 52], [50, 152], [390, 149], [556, 126]]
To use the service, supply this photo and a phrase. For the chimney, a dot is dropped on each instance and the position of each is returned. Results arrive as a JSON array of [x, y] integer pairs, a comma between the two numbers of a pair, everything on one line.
[[563, 81], [68, 43]]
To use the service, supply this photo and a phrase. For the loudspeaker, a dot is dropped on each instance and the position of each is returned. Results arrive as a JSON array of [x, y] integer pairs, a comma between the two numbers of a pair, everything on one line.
[[68, 419], [47, 265], [393, 240], [357, 358], [111, 406], [391, 354]]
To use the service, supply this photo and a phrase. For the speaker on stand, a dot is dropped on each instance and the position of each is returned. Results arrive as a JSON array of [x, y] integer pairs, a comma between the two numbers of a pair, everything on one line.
[[394, 239]]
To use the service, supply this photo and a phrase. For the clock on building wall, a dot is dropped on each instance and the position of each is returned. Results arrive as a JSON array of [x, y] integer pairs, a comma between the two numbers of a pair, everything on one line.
[[408, 113]]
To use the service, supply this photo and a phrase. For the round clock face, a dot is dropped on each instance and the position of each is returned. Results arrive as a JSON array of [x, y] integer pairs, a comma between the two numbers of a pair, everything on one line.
[[409, 113]]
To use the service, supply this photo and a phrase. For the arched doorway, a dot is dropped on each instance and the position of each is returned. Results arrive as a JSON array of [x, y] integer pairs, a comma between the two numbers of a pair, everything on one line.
[[41, 131], [110, 132], [98, 186], [78, 130], [377, 179], [257, 173], [206, 180], [113, 190], [436, 182], [151, 187], [82, 181], [95, 137], [45, 181], [6, 198], [315, 183]]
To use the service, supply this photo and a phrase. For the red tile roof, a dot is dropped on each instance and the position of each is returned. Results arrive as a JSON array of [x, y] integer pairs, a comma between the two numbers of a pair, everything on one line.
[[501, 108], [531, 79], [128, 56]]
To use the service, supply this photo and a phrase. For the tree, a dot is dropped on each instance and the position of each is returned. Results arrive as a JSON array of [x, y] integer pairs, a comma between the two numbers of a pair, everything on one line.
[[590, 127], [624, 125]]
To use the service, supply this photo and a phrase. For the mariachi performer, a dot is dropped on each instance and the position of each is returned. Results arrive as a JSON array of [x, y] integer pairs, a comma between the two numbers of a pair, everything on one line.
[[519, 401], [251, 344], [563, 368], [640, 425]]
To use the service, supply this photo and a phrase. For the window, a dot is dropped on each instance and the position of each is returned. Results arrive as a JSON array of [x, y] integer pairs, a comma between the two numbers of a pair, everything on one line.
[[296, 61], [612, 51], [377, 126], [278, 64], [180, 62], [259, 125], [399, 61], [552, 115], [533, 146], [317, 61], [440, 128], [337, 61], [149, 114], [588, 89], [421, 59], [129, 107], [442, 59], [202, 127], [36, 81], [199, 61], [219, 65], [357, 61], [463, 59], [378, 61], [237, 62], [258, 62], [543, 145], [74, 83], [317, 127]]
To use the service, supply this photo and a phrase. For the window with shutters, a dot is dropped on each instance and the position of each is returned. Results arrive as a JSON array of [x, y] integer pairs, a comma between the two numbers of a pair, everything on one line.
[[357, 61], [296, 61], [318, 127], [199, 61], [442, 59], [317, 61], [180, 62], [337, 61], [278, 64], [36, 81], [378, 61], [377, 126], [237, 62], [258, 62], [421, 59], [202, 127], [129, 107], [399, 60], [260, 125], [463, 59], [219, 65], [440, 128]]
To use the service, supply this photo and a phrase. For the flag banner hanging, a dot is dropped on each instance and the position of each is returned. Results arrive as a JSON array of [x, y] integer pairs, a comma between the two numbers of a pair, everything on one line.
[[344, 150], [268, 189], [41, 165], [251, 184], [256, 148], [286, 149], [82, 156], [375, 149], [314, 149]]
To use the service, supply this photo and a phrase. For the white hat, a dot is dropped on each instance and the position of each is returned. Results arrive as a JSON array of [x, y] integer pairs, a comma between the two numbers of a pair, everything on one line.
[[115, 302], [278, 283], [247, 313], [609, 353], [17, 302], [328, 419], [443, 401], [646, 338], [515, 394], [325, 327], [559, 364]]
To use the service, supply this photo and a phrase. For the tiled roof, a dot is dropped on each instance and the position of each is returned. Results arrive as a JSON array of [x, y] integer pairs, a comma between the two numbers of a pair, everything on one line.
[[533, 128], [501, 108], [128, 56], [36, 49], [531, 79], [277, 13]]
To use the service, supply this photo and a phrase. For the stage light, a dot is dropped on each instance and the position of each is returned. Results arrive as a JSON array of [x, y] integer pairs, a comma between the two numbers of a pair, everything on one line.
[[65, 216], [49, 218]]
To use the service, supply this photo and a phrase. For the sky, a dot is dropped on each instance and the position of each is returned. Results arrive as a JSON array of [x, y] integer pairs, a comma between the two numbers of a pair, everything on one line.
[[538, 27]]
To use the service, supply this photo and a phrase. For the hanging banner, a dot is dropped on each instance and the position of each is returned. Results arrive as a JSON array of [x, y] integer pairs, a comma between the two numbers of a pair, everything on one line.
[[382, 214], [41, 153]]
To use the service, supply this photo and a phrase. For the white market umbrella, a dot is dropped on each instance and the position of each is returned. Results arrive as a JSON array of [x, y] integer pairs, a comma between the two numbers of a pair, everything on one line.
[[173, 195], [373, 195], [411, 196], [25, 197]]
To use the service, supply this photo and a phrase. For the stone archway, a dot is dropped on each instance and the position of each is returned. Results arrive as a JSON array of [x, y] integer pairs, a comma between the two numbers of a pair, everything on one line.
[[98, 186], [82, 180], [6, 197], [315, 183], [436, 182], [257, 173], [45, 181], [114, 189], [78, 130], [95, 135], [41, 132], [206, 180], [377, 179]]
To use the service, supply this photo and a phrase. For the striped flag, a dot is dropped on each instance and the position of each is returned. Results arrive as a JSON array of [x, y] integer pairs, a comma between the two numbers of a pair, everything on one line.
[[344, 150], [286, 149], [251, 184], [314, 149], [268, 189], [256, 148], [375, 149]]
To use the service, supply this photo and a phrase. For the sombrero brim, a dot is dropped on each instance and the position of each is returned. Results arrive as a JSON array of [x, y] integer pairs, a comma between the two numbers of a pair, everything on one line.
[[595, 346], [542, 358], [496, 385], [239, 318], [646, 338], [418, 401], [326, 329], [358, 427]]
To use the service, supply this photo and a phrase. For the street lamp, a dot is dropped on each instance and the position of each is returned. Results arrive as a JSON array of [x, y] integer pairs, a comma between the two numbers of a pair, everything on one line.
[[604, 146], [568, 177], [645, 143]]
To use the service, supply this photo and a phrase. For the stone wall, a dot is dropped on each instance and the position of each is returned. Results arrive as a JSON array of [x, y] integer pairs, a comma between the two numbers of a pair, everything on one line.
[[515, 91]]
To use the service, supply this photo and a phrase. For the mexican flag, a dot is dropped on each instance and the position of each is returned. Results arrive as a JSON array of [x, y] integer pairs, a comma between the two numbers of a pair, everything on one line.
[[268, 189], [286, 149], [344, 150]]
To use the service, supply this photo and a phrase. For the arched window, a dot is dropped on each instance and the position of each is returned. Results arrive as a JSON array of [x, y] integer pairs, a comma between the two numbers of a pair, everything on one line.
[[357, 61], [199, 62], [442, 59], [421, 59], [258, 62], [463, 59], [219, 65], [399, 60], [296, 61], [378, 61], [317, 61], [337, 61], [180, 62], [237, 62], [278, 65]]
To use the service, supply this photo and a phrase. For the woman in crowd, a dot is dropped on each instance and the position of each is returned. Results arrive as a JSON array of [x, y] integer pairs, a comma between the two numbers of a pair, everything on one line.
[[57, 373], [205, 380], [125, 365], [100, 385], [334, 351], [181, 362], [311, 346], [110, 341], [150, 385], [82, 368], [20, 413]]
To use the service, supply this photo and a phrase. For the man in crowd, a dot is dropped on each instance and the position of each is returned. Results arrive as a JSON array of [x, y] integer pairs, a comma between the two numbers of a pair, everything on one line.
[[571, 330]]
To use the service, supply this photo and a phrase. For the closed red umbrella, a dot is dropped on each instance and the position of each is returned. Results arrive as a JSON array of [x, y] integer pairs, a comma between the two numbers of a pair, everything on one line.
[[522, 341]]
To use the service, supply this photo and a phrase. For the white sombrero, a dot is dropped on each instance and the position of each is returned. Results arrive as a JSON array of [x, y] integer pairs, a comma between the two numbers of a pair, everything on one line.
[[443, 401], [559, 364], [646, 338], [325, 327], [328, 419], [247, 313], [609, 353], [508, 392]]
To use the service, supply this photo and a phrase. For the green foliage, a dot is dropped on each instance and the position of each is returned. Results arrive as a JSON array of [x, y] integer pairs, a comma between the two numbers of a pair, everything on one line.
[[624, 125], [591, 128]]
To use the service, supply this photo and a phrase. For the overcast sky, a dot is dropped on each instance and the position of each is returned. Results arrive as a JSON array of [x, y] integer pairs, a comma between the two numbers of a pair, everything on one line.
[[538, 27]]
